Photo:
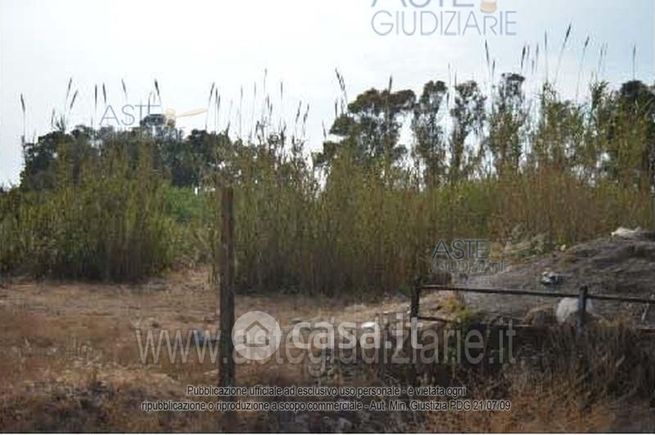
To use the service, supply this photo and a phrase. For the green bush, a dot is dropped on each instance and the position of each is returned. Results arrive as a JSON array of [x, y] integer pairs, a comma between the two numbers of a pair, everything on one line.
[[365, 214], [110, 224]]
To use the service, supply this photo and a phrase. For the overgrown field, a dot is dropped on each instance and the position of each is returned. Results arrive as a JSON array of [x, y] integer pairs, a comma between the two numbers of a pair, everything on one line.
[[397, 173]]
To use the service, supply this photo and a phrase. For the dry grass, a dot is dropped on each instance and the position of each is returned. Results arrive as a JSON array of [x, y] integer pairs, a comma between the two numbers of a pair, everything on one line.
[[97, 382], [75, 363], [365, 215], [535, 408]]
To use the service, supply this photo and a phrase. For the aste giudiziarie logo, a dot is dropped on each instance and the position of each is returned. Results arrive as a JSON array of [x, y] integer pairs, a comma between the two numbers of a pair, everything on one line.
[[442, 18], [136, 114], [465, 256]]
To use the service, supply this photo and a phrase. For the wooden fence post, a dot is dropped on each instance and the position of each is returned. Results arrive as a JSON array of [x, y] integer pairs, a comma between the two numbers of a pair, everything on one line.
[[582, 307], [226, 270], [416, 299], [382, 350], [413, 321]]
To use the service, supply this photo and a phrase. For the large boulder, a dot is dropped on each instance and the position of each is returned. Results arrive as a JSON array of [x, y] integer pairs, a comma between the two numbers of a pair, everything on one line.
[[567, 311]]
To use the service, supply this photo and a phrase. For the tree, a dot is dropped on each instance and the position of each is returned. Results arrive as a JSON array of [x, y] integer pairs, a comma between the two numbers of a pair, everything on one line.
[[558, 134], [468, 116], [370, 129], [630, 148], [188, 161], [429, 133], [38, 173], [506, 120]]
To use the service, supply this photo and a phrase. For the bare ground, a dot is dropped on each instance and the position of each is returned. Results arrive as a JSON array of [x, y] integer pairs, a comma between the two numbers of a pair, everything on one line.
[[69, 358], [608, 266]]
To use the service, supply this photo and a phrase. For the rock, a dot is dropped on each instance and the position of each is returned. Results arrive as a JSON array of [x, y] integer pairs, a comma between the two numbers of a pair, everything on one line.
[[567, 311], [551, 279], [626, 233]]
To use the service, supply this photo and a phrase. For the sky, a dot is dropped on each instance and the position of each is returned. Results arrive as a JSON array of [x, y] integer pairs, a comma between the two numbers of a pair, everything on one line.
[[188, 45]]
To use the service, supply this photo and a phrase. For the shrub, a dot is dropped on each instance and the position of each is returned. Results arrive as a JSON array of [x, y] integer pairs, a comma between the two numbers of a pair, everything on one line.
[[109, 224]]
